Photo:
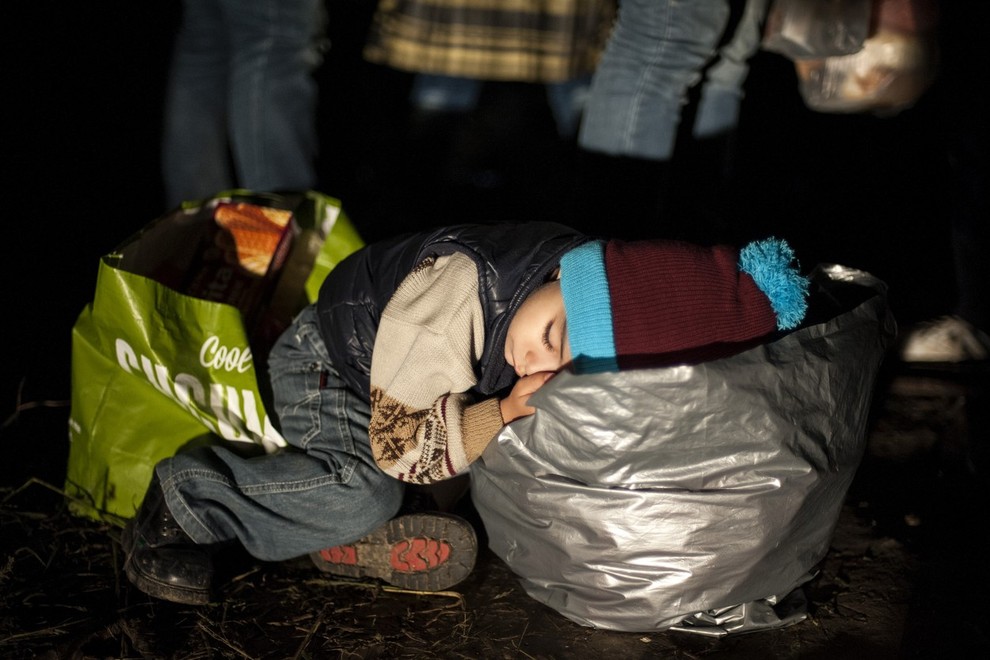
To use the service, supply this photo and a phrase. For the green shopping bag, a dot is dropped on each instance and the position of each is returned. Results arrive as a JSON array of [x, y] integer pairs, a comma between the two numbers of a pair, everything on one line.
[[171, 349]]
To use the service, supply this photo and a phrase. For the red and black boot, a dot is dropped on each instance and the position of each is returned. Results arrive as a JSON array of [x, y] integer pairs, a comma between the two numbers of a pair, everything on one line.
[[419, 551]]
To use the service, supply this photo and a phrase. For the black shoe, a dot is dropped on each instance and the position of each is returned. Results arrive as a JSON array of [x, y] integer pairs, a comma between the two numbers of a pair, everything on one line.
[[160, 559]]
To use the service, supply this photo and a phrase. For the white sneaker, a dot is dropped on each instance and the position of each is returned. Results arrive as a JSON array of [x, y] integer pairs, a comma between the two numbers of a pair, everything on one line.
[[946, 339]]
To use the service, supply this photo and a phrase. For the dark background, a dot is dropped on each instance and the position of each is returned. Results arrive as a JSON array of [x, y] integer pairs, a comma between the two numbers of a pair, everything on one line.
[[84, 84]]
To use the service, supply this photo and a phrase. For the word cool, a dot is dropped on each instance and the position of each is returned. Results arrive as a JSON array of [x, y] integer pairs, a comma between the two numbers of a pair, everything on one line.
[[235, 411]]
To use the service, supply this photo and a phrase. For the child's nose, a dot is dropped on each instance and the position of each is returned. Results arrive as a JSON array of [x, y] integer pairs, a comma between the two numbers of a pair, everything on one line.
[[529, 362], [527, 358]]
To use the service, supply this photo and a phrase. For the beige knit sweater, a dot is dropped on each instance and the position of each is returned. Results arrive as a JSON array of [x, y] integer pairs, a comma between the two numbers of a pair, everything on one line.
[[424, 426]]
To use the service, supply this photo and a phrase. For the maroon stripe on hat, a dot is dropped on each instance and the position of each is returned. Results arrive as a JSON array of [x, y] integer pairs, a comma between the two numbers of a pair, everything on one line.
[[670, 297]]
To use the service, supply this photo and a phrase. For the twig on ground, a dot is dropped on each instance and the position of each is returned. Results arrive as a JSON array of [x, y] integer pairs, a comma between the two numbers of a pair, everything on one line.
[[20, 405], [310, 633], [205, 628], [371, 586], [43, 633]]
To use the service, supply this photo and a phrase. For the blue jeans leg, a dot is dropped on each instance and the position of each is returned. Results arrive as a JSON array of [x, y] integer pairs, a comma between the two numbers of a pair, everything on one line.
[[722, 91], [275, 47], [323, 490], [567, 100], [657, 50], [240, 107], [195, 156]]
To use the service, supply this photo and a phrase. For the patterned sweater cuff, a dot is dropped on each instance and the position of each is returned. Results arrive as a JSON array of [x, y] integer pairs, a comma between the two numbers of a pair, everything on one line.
[[481, 423]]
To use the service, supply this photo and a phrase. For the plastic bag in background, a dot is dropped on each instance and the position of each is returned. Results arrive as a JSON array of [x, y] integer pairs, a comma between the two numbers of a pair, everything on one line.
[[817, 28], [165, 353], [697, 498], [896, 65]]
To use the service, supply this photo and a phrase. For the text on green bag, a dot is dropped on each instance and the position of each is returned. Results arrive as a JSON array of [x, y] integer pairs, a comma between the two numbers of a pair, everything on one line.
[[236, 411]]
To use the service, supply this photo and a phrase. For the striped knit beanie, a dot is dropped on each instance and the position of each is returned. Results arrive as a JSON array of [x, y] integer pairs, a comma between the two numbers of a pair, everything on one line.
[[655, 303]]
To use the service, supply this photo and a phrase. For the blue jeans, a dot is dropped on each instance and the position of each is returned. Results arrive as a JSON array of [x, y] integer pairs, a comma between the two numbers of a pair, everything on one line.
[[722, 90], [325, 489], [657, 51], [240, 107]]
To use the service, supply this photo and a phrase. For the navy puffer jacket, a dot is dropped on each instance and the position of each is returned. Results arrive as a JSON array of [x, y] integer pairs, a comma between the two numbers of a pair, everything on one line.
[[512, 260]]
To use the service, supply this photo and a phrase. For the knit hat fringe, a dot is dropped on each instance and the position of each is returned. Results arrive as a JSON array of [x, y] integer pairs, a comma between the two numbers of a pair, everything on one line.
[[771, 264]]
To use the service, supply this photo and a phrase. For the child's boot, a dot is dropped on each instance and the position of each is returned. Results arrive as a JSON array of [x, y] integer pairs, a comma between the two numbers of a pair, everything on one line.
[[421, 551], [160, 559]]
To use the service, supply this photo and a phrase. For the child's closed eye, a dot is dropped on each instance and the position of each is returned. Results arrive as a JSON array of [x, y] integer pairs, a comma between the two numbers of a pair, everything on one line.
[[546, 338]]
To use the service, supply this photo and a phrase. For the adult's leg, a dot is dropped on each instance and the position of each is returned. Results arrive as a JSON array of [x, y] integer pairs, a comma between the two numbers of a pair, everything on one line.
[[703, 173], [656, 52], [276, 45], [324, 490], [722, 91], [567, 100], [195, 156]]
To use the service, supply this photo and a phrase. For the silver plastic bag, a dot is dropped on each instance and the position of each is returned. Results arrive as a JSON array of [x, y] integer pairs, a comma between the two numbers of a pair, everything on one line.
[[699, 497]]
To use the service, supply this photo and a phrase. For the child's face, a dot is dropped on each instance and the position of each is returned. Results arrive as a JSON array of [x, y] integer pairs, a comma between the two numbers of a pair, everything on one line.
[[537, 337]]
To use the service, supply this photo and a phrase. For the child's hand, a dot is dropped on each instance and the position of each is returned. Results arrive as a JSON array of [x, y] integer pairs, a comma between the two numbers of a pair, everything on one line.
[[516, 405]]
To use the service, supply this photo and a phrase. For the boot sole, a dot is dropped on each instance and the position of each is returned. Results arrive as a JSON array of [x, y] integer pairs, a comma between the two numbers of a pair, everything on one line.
[[420, 551], [164, 591]]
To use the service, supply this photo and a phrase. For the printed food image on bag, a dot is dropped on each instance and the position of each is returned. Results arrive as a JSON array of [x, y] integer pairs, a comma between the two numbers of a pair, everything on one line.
[[240, 257], [255, 234], [235, 259]]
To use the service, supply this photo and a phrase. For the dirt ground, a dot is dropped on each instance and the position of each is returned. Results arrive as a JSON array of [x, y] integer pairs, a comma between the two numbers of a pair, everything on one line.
[[904, 577]]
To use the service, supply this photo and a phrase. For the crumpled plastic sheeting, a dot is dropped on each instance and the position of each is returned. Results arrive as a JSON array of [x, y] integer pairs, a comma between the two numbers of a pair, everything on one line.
[[699, 497]]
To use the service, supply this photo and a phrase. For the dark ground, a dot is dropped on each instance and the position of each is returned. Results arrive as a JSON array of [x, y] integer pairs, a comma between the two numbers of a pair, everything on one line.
[[906, 576]]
